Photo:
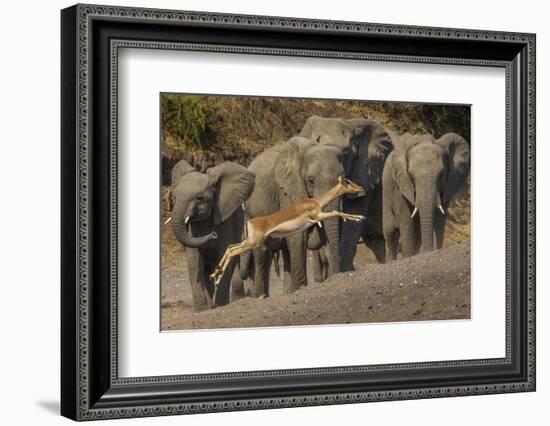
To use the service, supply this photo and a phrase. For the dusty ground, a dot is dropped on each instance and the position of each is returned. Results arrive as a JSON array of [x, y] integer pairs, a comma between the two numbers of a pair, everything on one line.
[[432, 286]]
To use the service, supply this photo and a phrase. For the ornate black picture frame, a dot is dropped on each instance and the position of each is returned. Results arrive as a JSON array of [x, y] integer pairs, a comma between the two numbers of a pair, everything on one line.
[[91, 36]]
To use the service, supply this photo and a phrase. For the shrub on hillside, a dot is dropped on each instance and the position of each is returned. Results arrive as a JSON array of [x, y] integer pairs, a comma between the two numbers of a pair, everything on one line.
[[183, 124]]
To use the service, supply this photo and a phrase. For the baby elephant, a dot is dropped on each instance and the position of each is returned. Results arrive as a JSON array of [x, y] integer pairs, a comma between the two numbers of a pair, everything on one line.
[[206, 218], [420, 178]]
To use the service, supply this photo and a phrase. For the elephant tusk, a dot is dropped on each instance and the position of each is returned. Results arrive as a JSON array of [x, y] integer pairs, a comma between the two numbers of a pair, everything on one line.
[[441, 209], [414, 212], [167, 221], [187, 220], [320, 225]]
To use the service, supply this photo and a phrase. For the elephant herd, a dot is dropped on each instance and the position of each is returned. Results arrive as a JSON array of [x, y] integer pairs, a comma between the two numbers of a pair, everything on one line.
[[408, 182]]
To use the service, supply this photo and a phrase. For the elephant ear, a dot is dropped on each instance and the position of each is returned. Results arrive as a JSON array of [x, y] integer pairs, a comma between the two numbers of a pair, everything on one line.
[[311, 122], [458, 152], [379, 148], [357, 159], [400, 167], [233, 185], [288, 168], [180, 169]]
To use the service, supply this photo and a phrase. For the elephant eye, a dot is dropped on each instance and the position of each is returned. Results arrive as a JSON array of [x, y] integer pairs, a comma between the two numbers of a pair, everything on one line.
[[310, 180]]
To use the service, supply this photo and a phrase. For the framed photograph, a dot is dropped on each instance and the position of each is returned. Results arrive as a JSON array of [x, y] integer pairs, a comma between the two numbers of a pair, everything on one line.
[[263, 212]]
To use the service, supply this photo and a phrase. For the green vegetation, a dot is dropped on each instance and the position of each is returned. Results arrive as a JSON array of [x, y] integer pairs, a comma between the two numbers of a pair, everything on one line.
[[183, 124], [207, 130]]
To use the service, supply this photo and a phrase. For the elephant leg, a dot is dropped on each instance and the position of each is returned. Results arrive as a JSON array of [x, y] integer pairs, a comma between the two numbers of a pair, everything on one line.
[[294, 258], [410, 244], [262, 260], [350, 235], [391, 238], [221, 293], [315, 242], [201, 288], [237, 284], [325, 262], [320, 266], [287, 278], [439, 229], [378, 246], [391, 235]]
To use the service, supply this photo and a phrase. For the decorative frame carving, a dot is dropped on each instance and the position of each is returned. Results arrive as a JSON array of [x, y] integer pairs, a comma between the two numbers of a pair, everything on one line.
[[91, 388]]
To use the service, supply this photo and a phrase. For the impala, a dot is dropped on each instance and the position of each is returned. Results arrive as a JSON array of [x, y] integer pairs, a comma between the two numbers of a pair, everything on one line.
[[295, 218]]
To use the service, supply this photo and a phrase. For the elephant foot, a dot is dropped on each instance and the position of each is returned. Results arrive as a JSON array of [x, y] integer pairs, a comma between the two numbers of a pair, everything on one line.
[[293, 288], [319, 274], [200, 308], [348, 268], [237, 293], [257, 295]]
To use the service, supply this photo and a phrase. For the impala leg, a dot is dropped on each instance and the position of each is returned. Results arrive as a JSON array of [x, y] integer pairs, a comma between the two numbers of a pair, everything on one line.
[[230, 253], [235, 251], [222, 264], [345, 216], [227, 250]]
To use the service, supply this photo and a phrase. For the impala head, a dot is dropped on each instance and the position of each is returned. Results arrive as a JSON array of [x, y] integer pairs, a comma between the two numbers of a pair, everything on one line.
[[346, 186]]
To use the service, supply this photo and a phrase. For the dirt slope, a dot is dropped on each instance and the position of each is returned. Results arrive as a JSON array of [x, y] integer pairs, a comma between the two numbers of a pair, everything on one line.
[[432, 286]]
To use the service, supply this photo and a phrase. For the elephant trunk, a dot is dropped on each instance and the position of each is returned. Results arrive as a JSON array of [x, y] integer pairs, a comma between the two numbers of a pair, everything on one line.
[[425, 202], [182, 229], [332, 231]]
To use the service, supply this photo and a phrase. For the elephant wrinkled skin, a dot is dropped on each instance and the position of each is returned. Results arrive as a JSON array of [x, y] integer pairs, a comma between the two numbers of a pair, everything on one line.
[[365, 145], [206, 217], [421, 176], [289, 171]]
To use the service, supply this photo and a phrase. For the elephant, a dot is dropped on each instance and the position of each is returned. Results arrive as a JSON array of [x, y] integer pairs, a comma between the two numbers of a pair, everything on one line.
[[421, 177], [289, 171], [365, 145], [207, 216]]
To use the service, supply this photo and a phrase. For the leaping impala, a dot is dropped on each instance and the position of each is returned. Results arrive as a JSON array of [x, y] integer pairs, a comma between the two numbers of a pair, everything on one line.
[[293, 219]]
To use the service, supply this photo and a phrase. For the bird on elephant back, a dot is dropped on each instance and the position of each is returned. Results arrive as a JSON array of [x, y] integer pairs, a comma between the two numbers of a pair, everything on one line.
[[207, 217], [421, 177], [285, 173], [365, 145]]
